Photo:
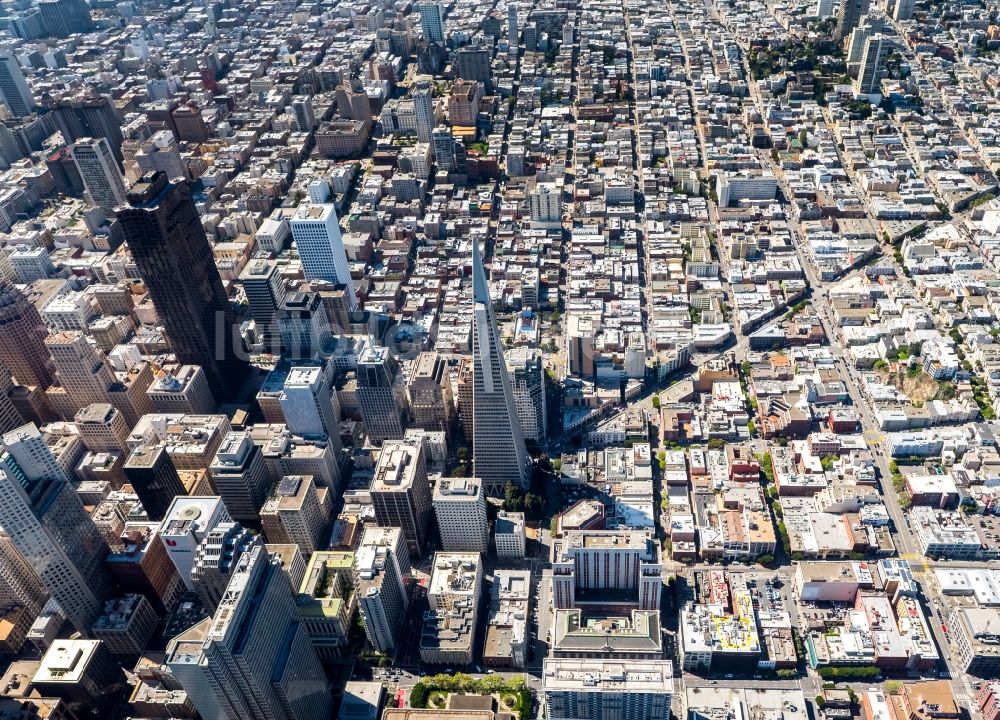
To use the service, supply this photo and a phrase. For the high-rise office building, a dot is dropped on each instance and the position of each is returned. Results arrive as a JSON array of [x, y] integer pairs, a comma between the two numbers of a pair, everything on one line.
[[353, 105], [432, 21], [215, 559], [240, 476], [873, 59], [499, 455], [444, 148], [903, 10], [309, 403], [152, 475], [423, 109], [190, 123], [383, 407], [460, 510], [189, 521], [512, 34], [253, 660], [175, 261], [870, 25], [81, 368], [527, 372], [62, 18], [305, 116], [103, 181], [22, 339], [381, 566], [92, 116], [14, 90], [297, 512], [265, 289], [577, 689], [473, 63], [102, 428], [19, 583], [430, 393], [464, 394], [849, 14], [50, 528], [316, 232], [824, 9], [10, 416], [625, 561], [304, 324], [401, 492]]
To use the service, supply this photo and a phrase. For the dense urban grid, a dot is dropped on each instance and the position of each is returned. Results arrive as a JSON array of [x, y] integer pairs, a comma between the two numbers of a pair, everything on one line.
[[576, 359]]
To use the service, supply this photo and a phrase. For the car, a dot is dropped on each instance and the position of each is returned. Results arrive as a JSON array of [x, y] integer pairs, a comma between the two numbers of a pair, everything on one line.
[[944, 628], [715, 682]]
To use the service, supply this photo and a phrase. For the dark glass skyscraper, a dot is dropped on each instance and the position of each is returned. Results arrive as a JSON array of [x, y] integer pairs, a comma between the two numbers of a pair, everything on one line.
[[22, 339], [163, 230], [63, 18]]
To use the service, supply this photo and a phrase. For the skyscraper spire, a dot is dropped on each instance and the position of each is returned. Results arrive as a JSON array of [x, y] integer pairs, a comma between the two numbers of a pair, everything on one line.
[[498, 452]]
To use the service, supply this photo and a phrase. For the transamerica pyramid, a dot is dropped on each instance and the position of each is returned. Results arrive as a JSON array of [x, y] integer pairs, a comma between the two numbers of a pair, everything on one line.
[[498, 452]]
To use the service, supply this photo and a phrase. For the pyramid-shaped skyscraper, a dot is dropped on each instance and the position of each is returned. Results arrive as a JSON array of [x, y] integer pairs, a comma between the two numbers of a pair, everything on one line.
[[498, 452]]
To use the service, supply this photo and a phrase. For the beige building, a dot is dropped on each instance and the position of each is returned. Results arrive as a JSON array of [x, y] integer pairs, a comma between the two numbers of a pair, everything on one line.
[[431, 404], [297, 512], [401, 493]]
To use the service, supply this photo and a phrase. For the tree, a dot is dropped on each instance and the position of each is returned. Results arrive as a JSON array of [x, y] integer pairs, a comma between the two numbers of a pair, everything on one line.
[[893, 686], [765, 559], [462, 454], [419, 695], [460, 471], [656, 402], [820, 701], [513, 498], [533, 505]]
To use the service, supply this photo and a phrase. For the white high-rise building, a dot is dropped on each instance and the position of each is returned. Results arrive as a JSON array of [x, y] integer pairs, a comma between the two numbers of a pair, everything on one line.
[[98, 168], [14, 90], [423, 110], [253, 659], [316, 232], [578, 689], [50, 528], [508, 535], [305, 116], [619, 560], [873, 59], [309, 403], [460, 509], [512, 33], [824, 9], [546, 202], [381, 566], [499, 455], [432, 21], [527, 373], [189, 520], [903, 10]]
